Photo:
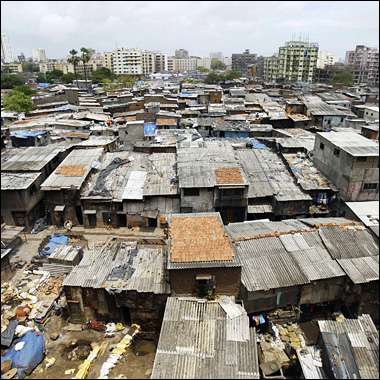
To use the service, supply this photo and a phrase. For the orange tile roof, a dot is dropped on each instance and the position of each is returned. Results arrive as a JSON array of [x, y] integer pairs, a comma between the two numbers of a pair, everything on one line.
[[228, 176], [166, 122], [199, 238], [70, 170]]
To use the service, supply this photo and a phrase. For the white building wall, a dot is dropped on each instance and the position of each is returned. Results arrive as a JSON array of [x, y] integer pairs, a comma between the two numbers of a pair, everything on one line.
[[127, 61], [325, 58]]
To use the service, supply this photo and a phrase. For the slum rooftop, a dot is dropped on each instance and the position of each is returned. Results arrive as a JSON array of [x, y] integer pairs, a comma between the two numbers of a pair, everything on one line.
[[352, 143], [202, 339], [297, 252], [122, 265], [212, 246]]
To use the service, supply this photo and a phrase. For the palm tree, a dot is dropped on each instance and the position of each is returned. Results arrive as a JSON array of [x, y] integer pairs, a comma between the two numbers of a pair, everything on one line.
[[74, 60], [86, 56]]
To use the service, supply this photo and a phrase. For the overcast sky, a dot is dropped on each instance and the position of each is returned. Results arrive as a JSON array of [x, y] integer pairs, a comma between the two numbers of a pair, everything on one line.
[[200, 27]]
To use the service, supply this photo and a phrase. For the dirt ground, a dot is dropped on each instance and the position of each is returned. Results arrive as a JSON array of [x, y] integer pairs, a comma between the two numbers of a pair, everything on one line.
[[137, 363]]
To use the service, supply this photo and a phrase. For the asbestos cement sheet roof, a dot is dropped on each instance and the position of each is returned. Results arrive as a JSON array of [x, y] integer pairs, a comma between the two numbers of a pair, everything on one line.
[[30, 159], [367, 212], [349, 242], [198, 340], [73, 170], [134, 188], [267, 265], [252, 230], [199, 238], [361, 269], [122, 265], [352, 143], [18, 181]]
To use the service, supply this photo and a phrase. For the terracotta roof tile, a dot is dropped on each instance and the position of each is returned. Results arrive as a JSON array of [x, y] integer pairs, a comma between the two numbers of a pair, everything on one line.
[[228, 176], [199, 238]]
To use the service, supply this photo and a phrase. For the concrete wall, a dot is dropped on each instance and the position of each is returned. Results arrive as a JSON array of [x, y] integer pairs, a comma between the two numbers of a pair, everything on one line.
[[202, 203], [227, 280], [346, 172]]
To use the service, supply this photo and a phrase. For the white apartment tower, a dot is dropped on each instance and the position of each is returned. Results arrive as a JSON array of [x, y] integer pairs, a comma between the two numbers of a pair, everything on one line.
[[6, 50], [39, 55], [325, 59], [127, 61]]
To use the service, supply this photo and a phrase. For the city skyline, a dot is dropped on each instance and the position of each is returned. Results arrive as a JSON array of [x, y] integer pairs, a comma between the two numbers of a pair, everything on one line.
[[233, 34]]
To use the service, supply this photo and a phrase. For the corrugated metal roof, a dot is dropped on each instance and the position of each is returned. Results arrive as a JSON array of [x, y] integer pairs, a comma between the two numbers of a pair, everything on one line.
[[121, 265], [356, 340], [367, 212], [348, 242], [198, 340], [361, 269], [78, 158]]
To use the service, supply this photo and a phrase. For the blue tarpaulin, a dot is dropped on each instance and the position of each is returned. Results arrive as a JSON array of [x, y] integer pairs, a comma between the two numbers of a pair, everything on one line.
[[54, 242], [28, 358], [43, 85], [27, 134], [149, 129], [255, 144]]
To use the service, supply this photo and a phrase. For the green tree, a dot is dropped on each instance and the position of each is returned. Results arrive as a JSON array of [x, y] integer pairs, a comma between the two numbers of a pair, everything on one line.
[[216, 64], [41, 78], [54, 75], [126, 80], [103, 73], [342, 77], [26, 90], [74, 60], [232, 74], [203, 69], [68, 78], [30, 67], [17, 101], [86, 56], [11, 80], [213, 78]]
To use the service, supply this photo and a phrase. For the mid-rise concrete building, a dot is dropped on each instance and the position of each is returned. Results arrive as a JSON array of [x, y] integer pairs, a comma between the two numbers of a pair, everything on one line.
[[297, 61], [365, 61], [127, 61], [325, 58], [205, 62], [270, 68], [242, 62], [185, 64], [217, 55], [39, 55], [351, 162], [108, 60], [161, 62], [148, 62], [11, 68]]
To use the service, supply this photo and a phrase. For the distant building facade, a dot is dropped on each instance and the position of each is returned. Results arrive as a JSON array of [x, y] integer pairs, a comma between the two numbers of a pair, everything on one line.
[[181, 53], [365, 61], [6, 50], [241, 62], [39, 55], [325, 58]]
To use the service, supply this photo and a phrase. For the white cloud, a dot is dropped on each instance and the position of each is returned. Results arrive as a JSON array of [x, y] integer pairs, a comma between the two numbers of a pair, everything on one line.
[[198, 26]]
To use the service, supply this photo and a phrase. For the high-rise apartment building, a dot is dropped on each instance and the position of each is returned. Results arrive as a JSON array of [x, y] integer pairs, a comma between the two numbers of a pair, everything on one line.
[[204, 62], [39, 55], [108, 60], [325, 59], [6, 50], [242, 62], [171, 64], [127, 61], [181, 53], [365, 63], [297, 61]]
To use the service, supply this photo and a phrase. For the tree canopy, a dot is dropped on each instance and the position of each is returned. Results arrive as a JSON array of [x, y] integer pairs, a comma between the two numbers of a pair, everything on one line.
[[203, 69], [216, 64], [215, 78], [30, 67], [26, 90], [11, 80], [101, 74], [342, 77], [17, 101]]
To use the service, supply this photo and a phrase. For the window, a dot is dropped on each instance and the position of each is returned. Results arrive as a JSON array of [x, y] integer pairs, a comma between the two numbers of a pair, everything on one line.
[[336, 152], [321, 146], [370, 186], [341, 119], [362, 159], [191, 192]]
